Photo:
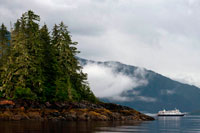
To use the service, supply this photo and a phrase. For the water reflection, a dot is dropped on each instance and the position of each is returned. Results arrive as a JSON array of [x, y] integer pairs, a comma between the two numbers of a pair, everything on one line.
[[170, 118], [63, 126], [186, 124], [172, 122], [120, 126]]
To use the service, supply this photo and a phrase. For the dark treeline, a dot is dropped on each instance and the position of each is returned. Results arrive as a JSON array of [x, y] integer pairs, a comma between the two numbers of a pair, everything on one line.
[[35, 65]]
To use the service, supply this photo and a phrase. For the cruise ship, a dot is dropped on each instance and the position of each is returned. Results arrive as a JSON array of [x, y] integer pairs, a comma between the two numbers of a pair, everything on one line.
[[175, 112]]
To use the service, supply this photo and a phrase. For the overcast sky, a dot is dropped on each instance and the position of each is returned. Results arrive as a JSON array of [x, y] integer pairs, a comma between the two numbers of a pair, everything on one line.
[[161, 35]]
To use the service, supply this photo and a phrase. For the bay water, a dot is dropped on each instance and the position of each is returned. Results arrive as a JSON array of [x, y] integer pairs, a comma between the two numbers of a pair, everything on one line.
[[186, 124]]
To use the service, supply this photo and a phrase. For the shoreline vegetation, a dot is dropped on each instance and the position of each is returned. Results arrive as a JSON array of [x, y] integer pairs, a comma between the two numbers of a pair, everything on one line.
[[41, 78]]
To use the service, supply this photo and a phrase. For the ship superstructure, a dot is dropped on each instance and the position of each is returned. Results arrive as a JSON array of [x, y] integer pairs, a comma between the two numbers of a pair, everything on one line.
[[175, 112]]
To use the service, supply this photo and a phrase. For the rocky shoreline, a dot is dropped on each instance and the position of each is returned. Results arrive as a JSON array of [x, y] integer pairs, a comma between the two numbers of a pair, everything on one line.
[[68, 111]]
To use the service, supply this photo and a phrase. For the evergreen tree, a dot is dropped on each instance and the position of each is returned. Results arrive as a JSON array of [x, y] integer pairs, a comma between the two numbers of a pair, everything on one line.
[[4, 41], [16, 66], [49, 64], [4, 47], [40, 67], [61, 43], [71, 74], [35, 52], [22, 71]]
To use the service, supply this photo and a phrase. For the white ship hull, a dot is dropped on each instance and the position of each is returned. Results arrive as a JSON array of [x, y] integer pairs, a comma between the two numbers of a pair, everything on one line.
[[171, 114]]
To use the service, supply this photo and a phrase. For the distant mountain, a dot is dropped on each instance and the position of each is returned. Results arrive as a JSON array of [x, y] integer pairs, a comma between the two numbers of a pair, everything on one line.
[[159, 93], [195, 112]]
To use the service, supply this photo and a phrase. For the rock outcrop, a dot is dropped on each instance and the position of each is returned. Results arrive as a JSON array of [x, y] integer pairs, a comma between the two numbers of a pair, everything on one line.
[[70, 111]]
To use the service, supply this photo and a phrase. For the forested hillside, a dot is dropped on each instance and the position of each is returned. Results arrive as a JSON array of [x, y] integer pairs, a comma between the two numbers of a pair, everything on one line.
[[156, 93], [37, 65]]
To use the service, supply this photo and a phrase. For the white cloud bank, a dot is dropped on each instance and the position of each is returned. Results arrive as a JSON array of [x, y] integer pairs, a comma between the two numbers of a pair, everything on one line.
[[106, 83], [161, 35]]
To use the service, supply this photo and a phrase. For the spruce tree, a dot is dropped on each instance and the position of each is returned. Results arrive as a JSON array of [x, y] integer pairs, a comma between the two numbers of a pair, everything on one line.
[[4, 48], [22, 72], [15, 69], [71, 75], [41, 67], [49, 64], [4, 41], [61, 44]]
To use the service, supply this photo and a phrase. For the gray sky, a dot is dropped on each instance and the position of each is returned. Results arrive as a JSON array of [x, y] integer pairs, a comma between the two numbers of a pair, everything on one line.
[[161, 35]]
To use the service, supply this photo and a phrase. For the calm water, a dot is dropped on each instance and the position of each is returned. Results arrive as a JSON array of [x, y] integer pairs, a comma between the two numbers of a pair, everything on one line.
[[186, 124]]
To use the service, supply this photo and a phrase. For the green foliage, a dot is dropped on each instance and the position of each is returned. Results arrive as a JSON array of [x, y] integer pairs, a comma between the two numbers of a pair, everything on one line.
[[22, 68], [24, 93], [1, 94], [48, 64], [75, 95], [61, 93], [4, 48], [3, 40], [88, 94], [42, 67]]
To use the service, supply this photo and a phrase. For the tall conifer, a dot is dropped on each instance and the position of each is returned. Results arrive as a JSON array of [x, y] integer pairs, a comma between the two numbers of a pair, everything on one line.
[[49, 64], [21, 70], [40, 67], [4, 40]]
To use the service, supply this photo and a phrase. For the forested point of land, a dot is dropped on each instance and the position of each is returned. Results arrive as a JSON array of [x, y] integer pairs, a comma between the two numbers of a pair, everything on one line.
[[39, 65]]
